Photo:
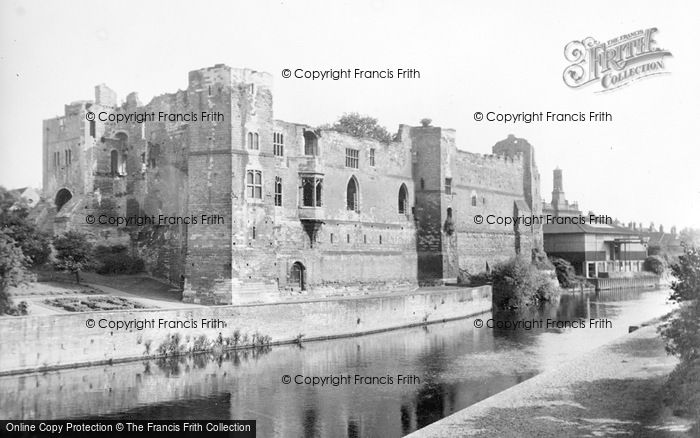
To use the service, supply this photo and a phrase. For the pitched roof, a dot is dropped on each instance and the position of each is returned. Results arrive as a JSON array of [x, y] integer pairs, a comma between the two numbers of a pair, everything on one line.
[[586, 229]]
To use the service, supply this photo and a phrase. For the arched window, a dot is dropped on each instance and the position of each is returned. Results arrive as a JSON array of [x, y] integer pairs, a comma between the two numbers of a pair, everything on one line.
[[319, 191], [254, 184], [474, 198], [403, 199], [62, 197], [256, 141], [278, 191], [250, 140], [114, 162], [352, 195]]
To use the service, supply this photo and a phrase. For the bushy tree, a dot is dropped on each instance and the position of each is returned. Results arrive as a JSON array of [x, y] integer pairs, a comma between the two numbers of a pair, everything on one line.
[[518, 283], [13, 272], [682, 335], [686, 287], [14, 221], [117, 260], [654, 264], [74, 253], [361, 126], [565, 272]]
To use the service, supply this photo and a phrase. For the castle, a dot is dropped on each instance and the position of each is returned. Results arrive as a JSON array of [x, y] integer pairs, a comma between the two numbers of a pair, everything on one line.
[[300, 208]]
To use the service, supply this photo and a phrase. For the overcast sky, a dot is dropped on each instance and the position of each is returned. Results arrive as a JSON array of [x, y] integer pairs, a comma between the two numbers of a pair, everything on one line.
[[472, 56]]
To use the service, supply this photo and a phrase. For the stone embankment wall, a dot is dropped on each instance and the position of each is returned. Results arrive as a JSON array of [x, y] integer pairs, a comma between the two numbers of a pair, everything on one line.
[[34, 343]]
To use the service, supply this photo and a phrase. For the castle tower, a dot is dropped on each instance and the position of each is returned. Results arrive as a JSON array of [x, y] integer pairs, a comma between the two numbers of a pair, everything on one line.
[[436, 241], [224, 149], [510, 147]]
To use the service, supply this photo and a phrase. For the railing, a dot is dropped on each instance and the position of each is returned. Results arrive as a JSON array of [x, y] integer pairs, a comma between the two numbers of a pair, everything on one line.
[[646, 281]]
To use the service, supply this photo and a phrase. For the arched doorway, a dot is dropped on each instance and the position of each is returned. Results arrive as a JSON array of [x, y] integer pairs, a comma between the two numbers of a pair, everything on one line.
[[297, 276], [352, 195], [62, 197]]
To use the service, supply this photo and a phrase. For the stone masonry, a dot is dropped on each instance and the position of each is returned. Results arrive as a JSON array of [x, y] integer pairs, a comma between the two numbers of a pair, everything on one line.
[[292, 208]]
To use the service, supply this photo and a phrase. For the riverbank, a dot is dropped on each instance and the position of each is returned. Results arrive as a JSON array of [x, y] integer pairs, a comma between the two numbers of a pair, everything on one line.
[[40, 343], [614, 389]]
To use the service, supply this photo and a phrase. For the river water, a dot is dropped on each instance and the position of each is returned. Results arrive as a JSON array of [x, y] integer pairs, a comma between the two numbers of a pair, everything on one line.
[[449, 366]]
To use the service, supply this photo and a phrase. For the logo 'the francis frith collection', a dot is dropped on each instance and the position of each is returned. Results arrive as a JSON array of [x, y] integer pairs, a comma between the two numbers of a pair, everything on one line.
[[616, 62]]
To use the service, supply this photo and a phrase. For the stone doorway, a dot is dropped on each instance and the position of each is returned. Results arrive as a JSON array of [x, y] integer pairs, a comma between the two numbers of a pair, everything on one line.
[[297, 276]]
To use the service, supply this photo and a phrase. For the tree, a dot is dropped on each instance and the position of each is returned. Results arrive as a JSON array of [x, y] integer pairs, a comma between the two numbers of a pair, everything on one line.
[[14, 220], [13, 272], [73, 253], [362, 126], [654, 264], [687, 273]]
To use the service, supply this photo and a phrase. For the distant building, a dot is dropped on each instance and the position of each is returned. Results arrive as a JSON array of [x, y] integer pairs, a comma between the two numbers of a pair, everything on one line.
[[560, 207], [662, 243], [596, 250], [29, 195]]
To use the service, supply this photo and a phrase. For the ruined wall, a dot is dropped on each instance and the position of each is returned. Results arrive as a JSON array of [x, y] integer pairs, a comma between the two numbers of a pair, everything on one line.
[[484, 185], [200, 169]]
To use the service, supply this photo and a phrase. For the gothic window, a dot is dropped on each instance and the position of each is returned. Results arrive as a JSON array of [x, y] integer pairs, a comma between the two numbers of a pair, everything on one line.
[[371, 157], [254, 184], [319, 190], [114, 162], [403, 199], [278, 144], [474, 199], [352, 195], [310, 143], [307, 188], [253, 141], [311, 191], [278, 191], [352, 158]]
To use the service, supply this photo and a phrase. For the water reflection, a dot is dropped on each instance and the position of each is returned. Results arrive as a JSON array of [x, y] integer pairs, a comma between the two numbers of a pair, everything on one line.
[[457, 365]]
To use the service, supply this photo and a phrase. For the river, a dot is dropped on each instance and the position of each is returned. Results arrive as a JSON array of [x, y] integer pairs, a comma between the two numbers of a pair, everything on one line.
[[445, 367]]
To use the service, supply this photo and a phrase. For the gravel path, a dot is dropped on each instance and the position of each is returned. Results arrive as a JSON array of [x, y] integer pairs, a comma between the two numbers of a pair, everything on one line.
[[615, 390]]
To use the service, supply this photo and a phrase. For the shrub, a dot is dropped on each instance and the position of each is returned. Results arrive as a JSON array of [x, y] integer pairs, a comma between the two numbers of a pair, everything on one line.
[[518, 283], [565, 272], [13, 272], [74, 253], [654, 264], [540, 260], [682, 334], [14, 221], [683, 389], [116, 260], [480, 279]]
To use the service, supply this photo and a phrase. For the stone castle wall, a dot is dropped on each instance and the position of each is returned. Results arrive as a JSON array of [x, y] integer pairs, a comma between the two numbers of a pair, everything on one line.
[[191, 169]]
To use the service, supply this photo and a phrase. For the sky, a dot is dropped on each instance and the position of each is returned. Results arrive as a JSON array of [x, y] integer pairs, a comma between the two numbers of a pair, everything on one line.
[[472, 56]]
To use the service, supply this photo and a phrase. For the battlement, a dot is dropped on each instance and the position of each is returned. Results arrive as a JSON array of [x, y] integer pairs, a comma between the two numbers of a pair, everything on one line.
[[221, 74], [511, 160]]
